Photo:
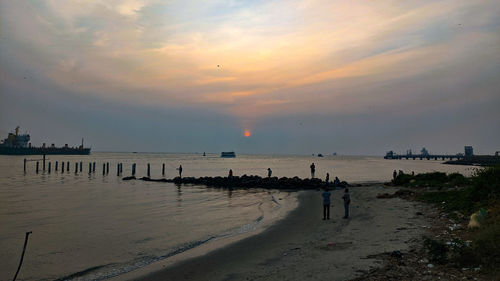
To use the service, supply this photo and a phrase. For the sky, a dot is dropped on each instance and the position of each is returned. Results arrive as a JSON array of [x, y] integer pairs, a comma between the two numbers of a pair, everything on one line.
[[283, 77]]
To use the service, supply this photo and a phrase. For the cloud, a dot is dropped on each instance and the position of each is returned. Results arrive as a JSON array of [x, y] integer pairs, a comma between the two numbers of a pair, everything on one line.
[[254, 60]]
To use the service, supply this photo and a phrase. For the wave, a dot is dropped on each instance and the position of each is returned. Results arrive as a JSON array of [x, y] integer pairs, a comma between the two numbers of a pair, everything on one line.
[[103, 272]]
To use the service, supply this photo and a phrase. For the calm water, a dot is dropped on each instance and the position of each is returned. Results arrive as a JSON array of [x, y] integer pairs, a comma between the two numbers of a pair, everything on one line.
[[89, 221]]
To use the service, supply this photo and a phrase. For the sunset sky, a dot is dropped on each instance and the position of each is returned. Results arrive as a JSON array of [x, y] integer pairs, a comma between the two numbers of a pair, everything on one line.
[[352, 77]]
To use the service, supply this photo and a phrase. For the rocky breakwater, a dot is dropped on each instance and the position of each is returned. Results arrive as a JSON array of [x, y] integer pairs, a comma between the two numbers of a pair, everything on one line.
[[246, 181]]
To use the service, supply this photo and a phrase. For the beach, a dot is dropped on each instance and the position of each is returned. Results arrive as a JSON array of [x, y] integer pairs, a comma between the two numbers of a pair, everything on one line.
[[302, 246]]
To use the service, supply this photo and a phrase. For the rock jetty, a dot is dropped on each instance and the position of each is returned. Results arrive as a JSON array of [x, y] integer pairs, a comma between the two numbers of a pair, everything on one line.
[[246, 181]]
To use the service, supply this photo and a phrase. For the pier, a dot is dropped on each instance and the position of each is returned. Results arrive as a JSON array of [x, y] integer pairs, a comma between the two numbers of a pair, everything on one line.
[[424, 154], [466, 158], [443, 157]]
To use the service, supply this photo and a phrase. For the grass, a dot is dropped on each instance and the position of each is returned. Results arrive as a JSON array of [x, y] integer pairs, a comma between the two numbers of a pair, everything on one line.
[[482, 190]]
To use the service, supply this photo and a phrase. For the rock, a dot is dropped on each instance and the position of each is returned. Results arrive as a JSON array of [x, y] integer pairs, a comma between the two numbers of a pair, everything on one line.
[[396, 254], [129, 178], [246, 181]]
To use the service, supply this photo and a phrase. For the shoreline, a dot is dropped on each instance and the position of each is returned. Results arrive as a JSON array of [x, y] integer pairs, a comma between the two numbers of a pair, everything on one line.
[[303, 246]]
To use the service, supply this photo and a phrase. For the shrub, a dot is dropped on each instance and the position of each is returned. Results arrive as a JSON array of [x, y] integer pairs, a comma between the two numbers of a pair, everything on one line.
[[437, 251], [486, 242]]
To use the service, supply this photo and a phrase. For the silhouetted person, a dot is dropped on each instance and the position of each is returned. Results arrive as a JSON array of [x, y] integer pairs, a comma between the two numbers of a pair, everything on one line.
[[394, 174], [327, 180], [347, 201], [313, 169], [180, 171], [230, 173], [269, 172], [336, 182], [326, 204]]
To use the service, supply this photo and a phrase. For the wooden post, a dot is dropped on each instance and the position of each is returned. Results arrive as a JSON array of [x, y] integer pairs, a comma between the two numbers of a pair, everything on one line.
[[37, 167], [117, 169], [57, 164], [93, 167], [25, 165], [49, 166], [62, 167], [90, 168], [107, 168], [81, 166], [133, 169], [103, 169], [121, 168], [43, 165], [76, 167], [163, 169], [22, 255], [67, 167], [149, 170]]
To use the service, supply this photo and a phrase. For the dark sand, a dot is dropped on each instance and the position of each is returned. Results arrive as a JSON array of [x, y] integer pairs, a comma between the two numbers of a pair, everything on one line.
[[304, 247]]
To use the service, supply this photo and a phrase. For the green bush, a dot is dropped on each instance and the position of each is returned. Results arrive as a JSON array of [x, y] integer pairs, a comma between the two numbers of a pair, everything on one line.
[[486, 185], [482, 191], [486, 240], [436, 250], [453, 200], [437, 179], [462, 254]]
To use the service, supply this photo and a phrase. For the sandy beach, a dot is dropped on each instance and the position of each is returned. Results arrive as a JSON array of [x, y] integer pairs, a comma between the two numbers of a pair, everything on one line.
[[302, 246]]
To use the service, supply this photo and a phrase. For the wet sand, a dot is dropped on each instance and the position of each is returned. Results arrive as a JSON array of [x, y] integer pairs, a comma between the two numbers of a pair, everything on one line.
[[304, 247]]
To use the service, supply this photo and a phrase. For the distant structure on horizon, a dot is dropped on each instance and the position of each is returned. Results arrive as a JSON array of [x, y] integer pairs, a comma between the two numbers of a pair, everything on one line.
[[469, 151], [229, 154]]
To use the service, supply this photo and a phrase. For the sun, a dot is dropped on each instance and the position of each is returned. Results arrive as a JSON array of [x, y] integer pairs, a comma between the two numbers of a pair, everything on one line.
[[247, 134]]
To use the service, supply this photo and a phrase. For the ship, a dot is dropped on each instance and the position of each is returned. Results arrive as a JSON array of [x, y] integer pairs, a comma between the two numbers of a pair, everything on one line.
[[230, 154], [18, 144]]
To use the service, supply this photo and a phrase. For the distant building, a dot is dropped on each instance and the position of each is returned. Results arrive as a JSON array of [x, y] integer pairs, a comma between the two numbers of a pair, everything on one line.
[[469, 151]]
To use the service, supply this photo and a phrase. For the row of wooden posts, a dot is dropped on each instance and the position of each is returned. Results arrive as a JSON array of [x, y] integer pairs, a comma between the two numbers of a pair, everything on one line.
[[79, 167]]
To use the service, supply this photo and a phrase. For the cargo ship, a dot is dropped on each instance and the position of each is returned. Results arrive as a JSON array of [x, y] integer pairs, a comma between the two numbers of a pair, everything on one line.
[[18, 144]]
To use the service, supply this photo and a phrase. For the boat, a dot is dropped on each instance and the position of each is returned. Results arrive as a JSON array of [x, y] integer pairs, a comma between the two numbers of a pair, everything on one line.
[[18, 144], [229, 154], [320, 155]]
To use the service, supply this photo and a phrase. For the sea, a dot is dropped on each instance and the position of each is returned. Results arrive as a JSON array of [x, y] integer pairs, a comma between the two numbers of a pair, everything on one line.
[[87, 225]]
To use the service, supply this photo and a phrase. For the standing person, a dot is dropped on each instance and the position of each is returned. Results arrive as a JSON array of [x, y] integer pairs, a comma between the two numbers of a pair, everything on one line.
[[180, 171], [313, 169], [269, 172], [327, 180], [230, 173], [326, 204], [394, 174], [347, 201]]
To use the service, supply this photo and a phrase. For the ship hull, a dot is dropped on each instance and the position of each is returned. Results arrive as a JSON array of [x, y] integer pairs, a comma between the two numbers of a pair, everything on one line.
[[42, 151]]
